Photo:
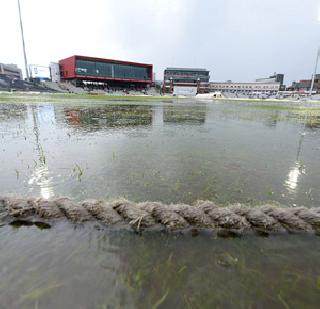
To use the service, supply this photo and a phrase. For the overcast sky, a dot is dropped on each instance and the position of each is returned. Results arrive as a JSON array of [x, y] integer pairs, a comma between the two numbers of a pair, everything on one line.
[[236, 39]]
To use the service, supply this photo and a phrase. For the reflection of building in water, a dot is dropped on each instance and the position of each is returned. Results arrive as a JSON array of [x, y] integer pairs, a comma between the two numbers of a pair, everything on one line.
[[157, 115], [73, 116], [184, 115], [113, 116], [109, 116], [272, 118]]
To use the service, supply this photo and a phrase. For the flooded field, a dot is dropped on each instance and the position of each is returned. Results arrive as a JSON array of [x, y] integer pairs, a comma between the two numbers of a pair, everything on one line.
[[171, 151]]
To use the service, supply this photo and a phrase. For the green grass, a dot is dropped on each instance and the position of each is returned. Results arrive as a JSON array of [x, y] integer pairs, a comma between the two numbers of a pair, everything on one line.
[[286, 107], [63, 97], [267, 101], [70, 98], [276, 104], [109, 97]]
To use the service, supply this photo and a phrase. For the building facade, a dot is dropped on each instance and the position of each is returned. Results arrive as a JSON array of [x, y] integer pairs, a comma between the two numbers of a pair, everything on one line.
[[54, 72], [39, 72], [11, 70], [113, 73], [245, 87], [186, 77], [275, 78], [305, 84]]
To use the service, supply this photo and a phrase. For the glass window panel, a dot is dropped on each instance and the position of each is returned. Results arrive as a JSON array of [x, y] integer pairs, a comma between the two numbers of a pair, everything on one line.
[[105, 69]]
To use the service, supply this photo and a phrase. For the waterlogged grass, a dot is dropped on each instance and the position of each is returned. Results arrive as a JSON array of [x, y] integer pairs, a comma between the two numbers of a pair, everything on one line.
[[274, 104], [63, 98], [286, 107], [197, 151], [69, 98], [227, 274], [78, 171], [266, 100]]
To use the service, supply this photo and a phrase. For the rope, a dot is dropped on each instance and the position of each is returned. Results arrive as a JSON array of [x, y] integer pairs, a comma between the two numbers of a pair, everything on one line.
[[204, 215]]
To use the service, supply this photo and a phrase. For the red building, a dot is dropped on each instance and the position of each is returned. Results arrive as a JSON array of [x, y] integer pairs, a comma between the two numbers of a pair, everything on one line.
[[305, 85], [114, 73]]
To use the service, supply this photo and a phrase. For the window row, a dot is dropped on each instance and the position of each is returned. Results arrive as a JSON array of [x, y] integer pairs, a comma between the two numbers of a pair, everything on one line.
[[114, 70]]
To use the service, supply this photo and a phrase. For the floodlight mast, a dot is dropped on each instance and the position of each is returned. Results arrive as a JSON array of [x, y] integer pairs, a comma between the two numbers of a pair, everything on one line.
[[315, 72], [23, 44]]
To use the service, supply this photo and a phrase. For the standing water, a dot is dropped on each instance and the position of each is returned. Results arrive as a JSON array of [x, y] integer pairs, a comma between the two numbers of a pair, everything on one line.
[[179, 151]]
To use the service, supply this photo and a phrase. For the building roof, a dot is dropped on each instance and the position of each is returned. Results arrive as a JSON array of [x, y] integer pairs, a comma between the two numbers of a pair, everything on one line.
[[244, 83], [89, 58], [187, 69]]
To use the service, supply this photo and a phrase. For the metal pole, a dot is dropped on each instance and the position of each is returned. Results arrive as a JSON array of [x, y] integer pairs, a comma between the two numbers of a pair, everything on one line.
[[315, 72], [23, 45]]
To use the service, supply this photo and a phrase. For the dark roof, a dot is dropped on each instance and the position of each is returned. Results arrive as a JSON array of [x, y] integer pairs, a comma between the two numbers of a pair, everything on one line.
[[89, 58], [186, 69]]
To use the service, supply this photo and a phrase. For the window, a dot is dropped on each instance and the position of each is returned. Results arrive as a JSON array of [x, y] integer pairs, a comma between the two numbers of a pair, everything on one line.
[[106, 69]]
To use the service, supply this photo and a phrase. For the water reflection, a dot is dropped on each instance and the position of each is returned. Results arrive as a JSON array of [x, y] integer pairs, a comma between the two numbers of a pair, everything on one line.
[[108, 116], [160, 151], [114, 116], [40, 176], [293, 177], [183, 115], [171, 153], [273, 119], [297, 169]]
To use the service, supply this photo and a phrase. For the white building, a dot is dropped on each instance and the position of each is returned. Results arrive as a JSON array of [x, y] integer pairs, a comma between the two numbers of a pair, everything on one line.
[[55, 72], [245, 87], [39, 72]]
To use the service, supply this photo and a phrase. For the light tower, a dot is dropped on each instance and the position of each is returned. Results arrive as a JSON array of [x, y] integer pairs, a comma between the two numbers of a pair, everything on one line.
[[315, 72], [23, 44]]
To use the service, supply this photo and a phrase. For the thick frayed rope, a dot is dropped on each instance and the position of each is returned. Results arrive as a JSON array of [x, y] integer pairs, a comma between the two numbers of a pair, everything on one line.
[[204, 215]]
